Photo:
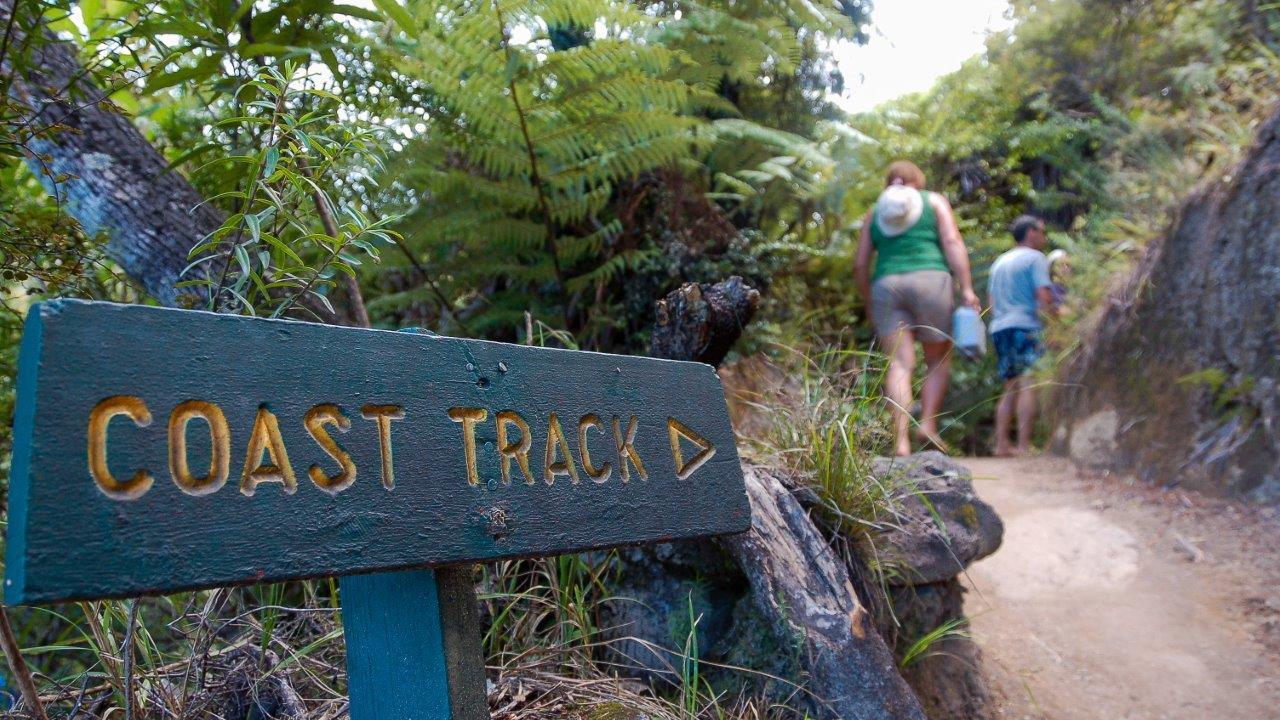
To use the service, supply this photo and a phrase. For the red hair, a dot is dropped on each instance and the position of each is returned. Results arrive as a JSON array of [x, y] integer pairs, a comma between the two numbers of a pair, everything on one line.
[[904, 172]]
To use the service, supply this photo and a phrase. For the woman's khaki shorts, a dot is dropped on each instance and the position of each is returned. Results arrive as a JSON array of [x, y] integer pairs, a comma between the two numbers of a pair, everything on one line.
[[920, 301]]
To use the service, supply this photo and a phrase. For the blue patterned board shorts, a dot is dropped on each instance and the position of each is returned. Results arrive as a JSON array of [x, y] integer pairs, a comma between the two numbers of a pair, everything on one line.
[[1017, 349]]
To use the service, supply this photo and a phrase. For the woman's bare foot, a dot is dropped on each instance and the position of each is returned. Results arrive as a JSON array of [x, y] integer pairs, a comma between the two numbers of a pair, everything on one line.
[[1006, 451], [902, 448], [930, 436]]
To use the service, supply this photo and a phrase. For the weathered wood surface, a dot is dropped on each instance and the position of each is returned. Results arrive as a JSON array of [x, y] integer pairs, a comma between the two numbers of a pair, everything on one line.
[[72, 536], [799, 583]]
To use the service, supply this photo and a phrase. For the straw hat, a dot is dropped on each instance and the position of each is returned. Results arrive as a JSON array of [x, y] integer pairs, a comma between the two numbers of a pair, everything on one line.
[[898, 208]]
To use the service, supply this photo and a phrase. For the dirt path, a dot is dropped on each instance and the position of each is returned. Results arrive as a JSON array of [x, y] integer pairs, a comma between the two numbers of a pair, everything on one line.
[[1110, 600]]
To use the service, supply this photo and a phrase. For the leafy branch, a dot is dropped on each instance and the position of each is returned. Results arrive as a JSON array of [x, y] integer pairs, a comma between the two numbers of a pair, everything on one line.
[[274, 260]]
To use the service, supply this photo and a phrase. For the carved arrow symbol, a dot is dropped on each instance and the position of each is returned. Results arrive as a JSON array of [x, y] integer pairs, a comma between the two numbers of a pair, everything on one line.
[[677, 430]]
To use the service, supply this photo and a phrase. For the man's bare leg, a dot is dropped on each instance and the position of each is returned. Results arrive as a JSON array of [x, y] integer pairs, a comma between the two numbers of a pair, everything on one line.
[[1004, 417], [897, 386], [1026, 414]]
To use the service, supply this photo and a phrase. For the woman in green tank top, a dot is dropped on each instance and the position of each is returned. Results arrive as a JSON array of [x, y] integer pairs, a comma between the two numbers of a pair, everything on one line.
[[920, 260]]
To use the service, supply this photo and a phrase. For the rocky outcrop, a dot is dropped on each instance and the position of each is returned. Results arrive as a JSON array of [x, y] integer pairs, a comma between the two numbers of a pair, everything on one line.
[[943, 528], [775, 600], [943, 525], [792, 600], [1179, 382], [780, 601], [800, 584]]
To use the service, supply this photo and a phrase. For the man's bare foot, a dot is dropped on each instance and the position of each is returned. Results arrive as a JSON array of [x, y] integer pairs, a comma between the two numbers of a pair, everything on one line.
[[1006, 451], [929, 437], [902, 449]]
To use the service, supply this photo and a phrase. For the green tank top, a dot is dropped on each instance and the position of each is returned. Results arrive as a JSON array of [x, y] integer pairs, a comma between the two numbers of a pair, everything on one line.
[[919, 248]]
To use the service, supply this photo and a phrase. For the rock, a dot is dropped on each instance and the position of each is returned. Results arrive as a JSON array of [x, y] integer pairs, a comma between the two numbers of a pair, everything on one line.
[[778, 601], [775, 599], [1091, 442], [944, 526], [805, 590], [947, 676], [648, 620], [1179, 376]]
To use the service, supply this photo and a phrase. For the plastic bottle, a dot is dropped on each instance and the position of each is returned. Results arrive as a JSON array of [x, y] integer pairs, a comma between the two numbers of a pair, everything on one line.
[[968, 333]]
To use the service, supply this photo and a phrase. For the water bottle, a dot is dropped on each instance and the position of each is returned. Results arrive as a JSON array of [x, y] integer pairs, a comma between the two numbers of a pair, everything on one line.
[[968, 333]]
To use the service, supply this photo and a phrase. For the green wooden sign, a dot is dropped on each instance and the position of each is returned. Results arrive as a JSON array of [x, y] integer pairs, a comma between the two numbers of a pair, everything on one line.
[[158, 450]]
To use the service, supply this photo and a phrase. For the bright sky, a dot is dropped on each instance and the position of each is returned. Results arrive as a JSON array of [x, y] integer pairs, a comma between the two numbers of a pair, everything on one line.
[[913, 43]]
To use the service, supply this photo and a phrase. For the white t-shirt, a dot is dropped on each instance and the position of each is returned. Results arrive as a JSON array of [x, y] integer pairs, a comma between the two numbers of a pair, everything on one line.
[[1011, 289]]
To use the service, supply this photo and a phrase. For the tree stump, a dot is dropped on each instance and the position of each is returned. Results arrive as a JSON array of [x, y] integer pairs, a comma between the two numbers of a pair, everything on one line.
[[702, 321]]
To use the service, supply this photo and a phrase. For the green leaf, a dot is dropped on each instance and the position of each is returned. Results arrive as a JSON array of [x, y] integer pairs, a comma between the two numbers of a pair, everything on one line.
[[269, 164], [324, 300], [242, 258], [189, 155], [353, 11], [90, 12], [200, 71], [268, 49], [255, 228], [283, 248], [330, 58], [396, 12]]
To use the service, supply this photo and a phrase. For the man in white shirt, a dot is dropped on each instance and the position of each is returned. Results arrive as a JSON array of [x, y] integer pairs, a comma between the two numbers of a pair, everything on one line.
[[1019, 290]]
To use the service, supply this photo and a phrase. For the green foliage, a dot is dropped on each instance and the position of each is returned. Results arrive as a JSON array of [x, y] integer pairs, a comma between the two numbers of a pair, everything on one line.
[[921, 647], [546, 143], [523, 154], [1230, 394], [269, 256]]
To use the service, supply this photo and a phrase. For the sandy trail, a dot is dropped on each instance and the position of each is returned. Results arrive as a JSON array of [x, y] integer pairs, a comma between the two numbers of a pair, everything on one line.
[[1110, 600]]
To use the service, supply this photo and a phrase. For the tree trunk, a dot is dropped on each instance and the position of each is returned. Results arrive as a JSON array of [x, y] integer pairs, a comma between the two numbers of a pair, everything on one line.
[[798, 582], [102, 171]]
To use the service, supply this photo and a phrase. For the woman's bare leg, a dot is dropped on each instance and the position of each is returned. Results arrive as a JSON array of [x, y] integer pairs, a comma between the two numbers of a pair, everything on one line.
[[897, 386], [937, 359]]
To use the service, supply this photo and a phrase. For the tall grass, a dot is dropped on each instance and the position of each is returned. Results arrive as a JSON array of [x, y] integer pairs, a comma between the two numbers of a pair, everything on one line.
[[545, 608], [178, 656], [922, 647], [825, 422]]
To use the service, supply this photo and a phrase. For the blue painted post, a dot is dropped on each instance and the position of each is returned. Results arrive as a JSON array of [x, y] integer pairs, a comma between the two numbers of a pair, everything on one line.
[[413, 645]]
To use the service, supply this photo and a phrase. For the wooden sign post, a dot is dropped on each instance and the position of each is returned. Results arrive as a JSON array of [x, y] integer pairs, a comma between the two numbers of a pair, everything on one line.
[[161, 450]]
